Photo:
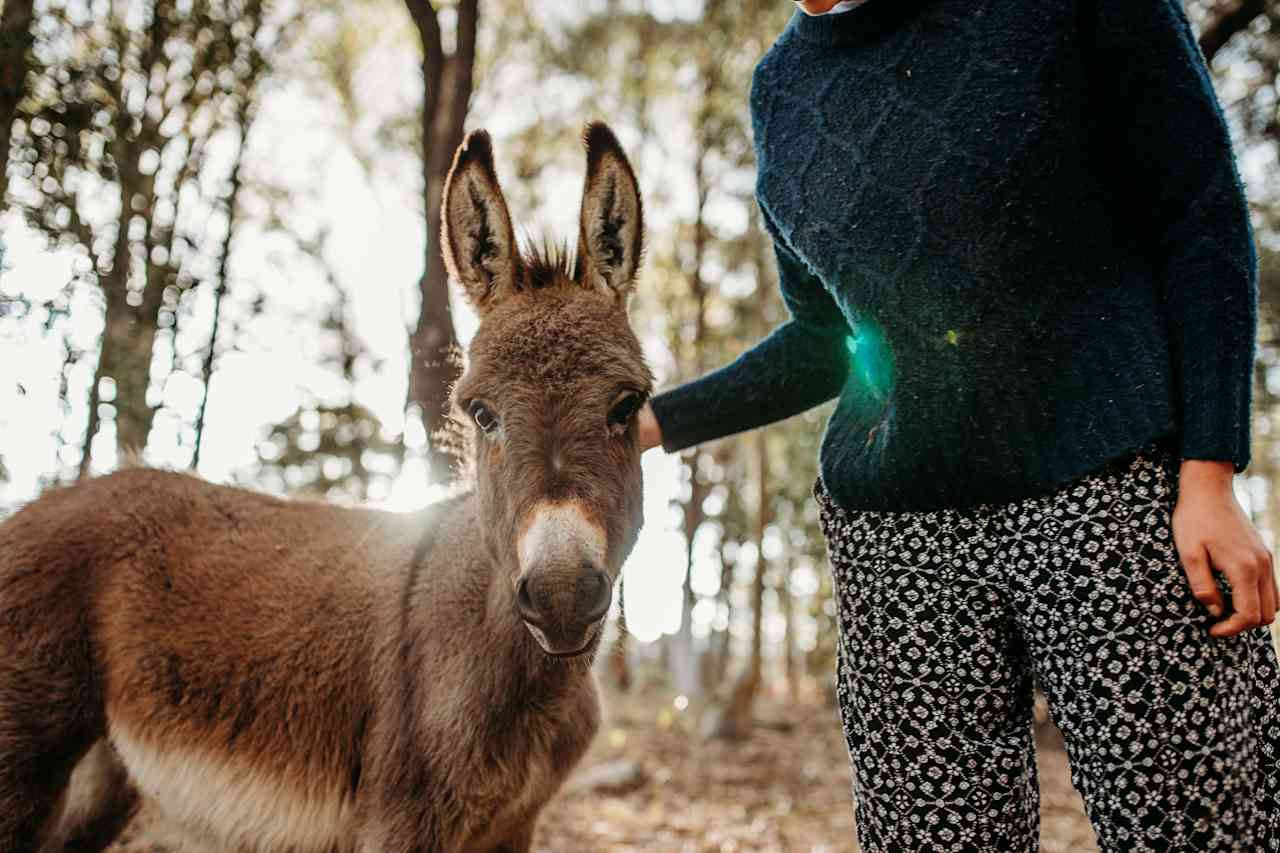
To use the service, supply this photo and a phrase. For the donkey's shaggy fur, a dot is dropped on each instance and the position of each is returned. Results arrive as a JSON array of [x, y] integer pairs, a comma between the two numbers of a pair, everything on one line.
[[286, 675]]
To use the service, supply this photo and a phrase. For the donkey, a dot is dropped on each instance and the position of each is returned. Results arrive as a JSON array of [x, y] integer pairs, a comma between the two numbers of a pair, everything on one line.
[[284, 675]]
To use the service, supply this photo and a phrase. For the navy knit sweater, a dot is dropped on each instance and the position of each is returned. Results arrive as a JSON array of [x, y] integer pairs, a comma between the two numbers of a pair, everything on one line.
[[1014, 245]]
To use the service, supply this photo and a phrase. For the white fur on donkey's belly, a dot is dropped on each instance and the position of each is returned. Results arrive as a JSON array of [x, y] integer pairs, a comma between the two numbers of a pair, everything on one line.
[[235, 804]]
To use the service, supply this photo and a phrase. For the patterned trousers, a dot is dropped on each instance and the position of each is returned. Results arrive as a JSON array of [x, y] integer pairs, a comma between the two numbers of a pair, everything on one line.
[[948, 617]]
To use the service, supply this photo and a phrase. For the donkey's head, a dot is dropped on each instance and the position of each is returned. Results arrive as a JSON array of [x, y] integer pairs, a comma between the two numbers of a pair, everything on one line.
[[555, 377]]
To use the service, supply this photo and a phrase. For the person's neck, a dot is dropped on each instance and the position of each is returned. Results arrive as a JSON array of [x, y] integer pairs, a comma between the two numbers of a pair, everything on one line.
[[844, 6], [864, 23]]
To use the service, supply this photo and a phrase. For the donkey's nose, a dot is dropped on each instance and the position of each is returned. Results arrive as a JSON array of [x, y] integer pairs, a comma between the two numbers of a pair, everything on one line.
[[595, 594], [546, 600], [525, 603]]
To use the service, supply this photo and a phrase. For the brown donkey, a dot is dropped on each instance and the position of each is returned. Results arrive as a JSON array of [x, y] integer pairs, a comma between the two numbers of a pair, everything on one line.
[[282, 675]]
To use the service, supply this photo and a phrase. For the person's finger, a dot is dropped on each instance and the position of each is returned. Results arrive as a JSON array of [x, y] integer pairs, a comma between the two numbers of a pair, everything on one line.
[[1244, 601], [1267, 598], [650, 433], [1195, 563], [1270, 598]]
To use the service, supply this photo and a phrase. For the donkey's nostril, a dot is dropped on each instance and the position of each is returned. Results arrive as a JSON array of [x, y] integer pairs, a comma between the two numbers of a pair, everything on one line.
[[524, 603], [595, 594], [566, 600]]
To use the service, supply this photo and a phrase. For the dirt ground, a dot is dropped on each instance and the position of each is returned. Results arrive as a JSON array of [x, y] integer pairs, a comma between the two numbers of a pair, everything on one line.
[[781, 790], [652, 782]]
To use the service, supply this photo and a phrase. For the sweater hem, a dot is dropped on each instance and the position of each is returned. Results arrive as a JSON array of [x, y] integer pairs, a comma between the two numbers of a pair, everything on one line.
[[1164, 437]]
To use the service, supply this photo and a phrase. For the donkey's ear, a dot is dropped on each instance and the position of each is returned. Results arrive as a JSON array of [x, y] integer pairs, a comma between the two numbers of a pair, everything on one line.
[[611, 228], [476, 234]]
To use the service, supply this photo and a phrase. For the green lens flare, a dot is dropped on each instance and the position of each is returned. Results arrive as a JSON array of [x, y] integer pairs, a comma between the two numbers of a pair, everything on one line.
[[871, 360]]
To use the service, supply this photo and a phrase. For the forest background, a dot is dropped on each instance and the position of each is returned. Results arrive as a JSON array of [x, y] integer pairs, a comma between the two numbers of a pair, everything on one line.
[[216, 251]]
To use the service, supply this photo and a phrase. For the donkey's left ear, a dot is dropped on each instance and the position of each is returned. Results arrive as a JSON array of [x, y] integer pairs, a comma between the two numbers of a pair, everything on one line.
[[611, 228]]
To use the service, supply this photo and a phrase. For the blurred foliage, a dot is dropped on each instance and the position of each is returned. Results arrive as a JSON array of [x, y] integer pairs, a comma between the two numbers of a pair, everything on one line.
[[334, 452]]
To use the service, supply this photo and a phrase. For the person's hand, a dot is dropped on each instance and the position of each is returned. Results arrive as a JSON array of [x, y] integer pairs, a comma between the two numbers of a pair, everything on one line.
[[1212, 533], [649, 431]]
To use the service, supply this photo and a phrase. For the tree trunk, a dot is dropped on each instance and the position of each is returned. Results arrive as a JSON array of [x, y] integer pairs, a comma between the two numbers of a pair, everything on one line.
[[91, 426], [735, 724], [127, 340], [685, 666], [722, 642], [16, 37], [243, 118], [433, 364], [127, 337], [762, 566], [789, 630]]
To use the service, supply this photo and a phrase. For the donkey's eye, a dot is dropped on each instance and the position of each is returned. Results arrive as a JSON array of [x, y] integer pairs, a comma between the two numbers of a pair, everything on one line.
[[624, 410], [485, 419]]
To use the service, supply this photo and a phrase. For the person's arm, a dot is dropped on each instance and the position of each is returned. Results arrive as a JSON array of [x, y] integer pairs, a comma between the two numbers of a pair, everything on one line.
[[1161, 117], [801, 364], [1177, 171]]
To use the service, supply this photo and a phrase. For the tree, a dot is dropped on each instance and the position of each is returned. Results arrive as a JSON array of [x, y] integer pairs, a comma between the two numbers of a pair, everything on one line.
[[114, 149], [325, 451], [242, 123], [448, 80], [16, 38]]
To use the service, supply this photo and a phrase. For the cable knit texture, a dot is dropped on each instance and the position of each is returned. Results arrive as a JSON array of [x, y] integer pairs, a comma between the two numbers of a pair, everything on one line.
[[1015, 247]]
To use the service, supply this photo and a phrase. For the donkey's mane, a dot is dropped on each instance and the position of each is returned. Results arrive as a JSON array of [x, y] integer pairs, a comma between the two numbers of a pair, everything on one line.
[[549, 263]]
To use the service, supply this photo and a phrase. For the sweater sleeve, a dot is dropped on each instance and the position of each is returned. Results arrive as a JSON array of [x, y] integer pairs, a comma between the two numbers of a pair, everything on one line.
[[1176, 164], [801, 364]]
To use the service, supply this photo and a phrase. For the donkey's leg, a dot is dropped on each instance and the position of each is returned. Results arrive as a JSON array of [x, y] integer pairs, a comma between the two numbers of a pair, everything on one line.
[[407, 823], [50, 708], [100, 800], [34, 772], [26, 803]]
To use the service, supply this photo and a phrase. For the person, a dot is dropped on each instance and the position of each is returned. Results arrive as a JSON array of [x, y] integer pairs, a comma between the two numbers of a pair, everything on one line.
[[1016, 248]]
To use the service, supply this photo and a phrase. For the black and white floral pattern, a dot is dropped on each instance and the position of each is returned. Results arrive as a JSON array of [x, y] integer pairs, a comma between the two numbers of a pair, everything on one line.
[[948, 617]]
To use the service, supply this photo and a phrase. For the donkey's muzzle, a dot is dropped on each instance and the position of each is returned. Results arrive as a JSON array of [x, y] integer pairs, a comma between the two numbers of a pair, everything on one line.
[[562, 608]]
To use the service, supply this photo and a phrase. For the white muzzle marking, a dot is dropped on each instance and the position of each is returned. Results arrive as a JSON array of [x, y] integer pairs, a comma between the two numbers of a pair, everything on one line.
[[559, 529]]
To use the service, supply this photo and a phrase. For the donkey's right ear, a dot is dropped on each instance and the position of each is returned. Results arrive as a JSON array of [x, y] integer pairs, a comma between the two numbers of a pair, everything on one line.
[[479, 243]]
